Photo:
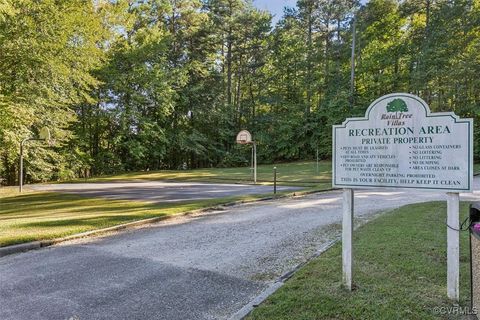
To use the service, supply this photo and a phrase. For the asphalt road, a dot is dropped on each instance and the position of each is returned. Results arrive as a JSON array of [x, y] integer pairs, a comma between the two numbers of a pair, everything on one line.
[[160, 191], [201, 267]]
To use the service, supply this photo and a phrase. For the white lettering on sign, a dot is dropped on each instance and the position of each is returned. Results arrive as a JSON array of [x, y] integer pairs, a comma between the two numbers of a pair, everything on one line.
[[401, 144]]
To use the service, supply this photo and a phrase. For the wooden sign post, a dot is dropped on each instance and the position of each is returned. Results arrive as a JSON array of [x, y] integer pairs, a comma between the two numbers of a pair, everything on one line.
[[401, 144], [347, 233]]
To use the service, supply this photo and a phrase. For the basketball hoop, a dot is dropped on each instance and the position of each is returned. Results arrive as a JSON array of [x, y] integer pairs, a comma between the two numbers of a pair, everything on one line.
[[244, 137]]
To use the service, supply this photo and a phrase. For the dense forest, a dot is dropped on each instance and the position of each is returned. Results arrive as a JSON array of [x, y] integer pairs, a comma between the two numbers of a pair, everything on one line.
[[156, 84]]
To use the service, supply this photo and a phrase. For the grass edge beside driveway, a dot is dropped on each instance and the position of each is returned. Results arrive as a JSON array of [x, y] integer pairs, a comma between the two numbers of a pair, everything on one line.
[[301, 173], [36, 216], [399, 272]]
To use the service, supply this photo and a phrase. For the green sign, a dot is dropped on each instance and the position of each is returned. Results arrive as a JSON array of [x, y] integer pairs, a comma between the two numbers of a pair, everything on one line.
[[401, 144]]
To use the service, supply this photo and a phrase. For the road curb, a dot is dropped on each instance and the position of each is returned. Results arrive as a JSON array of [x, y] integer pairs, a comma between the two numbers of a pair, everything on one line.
[[34, 245], [271, 289], [23, 247], [20, 248]]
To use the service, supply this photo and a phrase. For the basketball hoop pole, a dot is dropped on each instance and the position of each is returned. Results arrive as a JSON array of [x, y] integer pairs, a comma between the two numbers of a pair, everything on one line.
[[251, 164], [245, 137], [254, 162]]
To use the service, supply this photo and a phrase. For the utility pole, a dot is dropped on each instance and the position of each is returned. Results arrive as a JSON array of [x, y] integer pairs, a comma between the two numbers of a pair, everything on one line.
[[44, 136], [20, 172], [352, 74]]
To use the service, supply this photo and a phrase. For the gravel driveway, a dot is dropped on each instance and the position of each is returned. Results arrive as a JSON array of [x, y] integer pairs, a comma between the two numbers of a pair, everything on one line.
[[201, 267]]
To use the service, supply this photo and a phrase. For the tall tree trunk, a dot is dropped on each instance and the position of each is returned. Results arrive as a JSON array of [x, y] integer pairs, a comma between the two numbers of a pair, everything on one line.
[[309, 59], [229, 67], [326, 80], [238, 96], [252, 99]]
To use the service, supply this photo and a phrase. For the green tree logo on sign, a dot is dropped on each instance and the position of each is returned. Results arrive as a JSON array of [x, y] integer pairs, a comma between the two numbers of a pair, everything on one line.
[[397, 105]]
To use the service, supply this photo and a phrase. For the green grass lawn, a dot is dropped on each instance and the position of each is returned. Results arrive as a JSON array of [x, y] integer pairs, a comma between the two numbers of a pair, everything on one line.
[[42, 215], [295, 173], [476, 168], [38, 216], [35, 216], [399, 272]]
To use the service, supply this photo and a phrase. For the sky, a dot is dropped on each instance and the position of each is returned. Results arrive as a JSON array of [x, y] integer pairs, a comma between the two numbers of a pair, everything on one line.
[[274, 6]]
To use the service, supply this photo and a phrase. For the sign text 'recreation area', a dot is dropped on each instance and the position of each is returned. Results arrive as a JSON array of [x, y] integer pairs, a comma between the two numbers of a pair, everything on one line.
[[400, 143]]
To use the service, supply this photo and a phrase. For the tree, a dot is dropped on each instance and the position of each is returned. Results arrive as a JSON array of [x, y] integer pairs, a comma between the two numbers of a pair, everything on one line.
[[152, 84], [47, 51]]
